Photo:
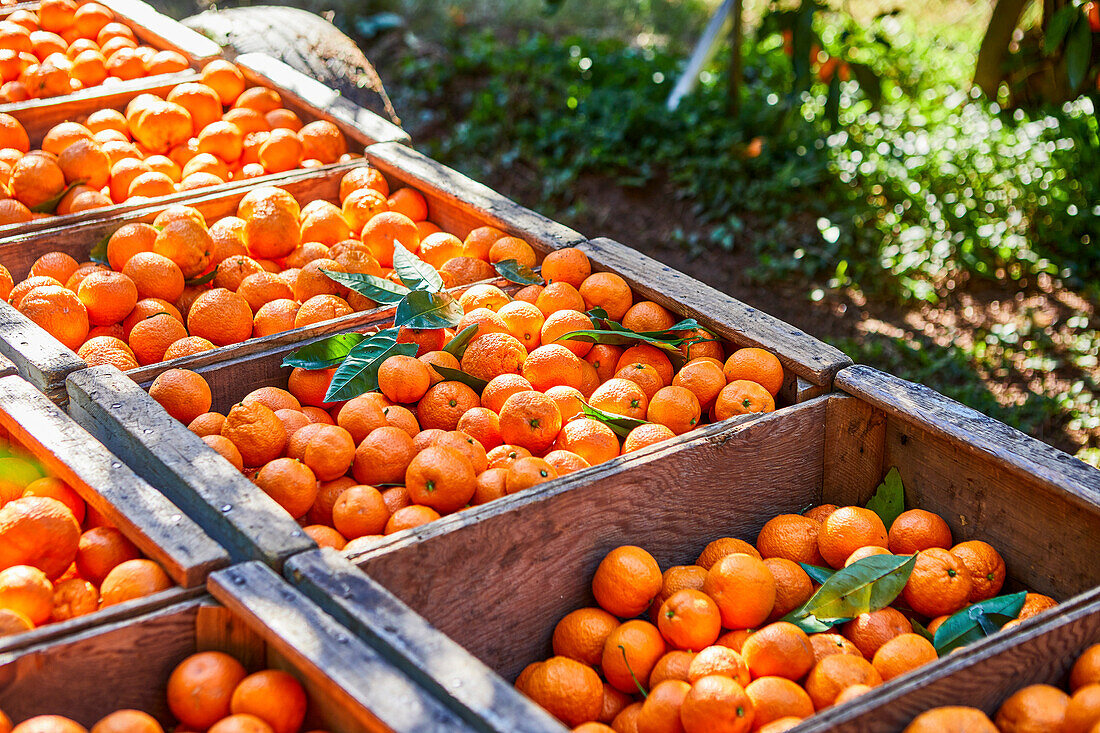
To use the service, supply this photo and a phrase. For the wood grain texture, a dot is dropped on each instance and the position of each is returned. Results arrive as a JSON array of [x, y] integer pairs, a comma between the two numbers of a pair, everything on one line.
[[143, 514], [229, 507], [367, 691], [300, 92], [983, 675], [524, 561], [419, 651], [38, 357], [976, 434], [800, 353], [160, 31], [458, 204], [855, 433], [7, 368]]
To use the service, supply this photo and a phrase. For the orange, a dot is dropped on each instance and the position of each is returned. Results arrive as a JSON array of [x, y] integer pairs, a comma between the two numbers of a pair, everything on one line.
[[677, 578], [672, 666], [261, 288], [591, 440], [57, 265], [482, 295], [621, 397], [440, 478], [650, 355], [290, 483], [558, 296], [530, 419], [359, 416], [523, 473], [38, 531], [552, 365], [493, 354], [151, 337], [383, 456], [328, 450], [705, 380], [383, 229], [483, 424], [581, 635], [903, 654], [470, 448], [444, 404], [719, 548], [108, 297], [614, 702], [563, 322], [792, 537], [565, 462], [132, 579], [464, 270], [792, 586], [848, 529], [648, 316], [755, 365], [479, 241], [403, 379], [630, 652], [410, 517], [608, 291], [154, 276], [12, 134], [717, 704], [101, 549], [1035, 603], [187, 347], [774, 698], [256, 431], [486, 320], [661, 708], [242, 723], [500, 388], [187, 243], [281, 151], [49, 724], [865, 552], [869, 631], [321, 308], [409, 202], [201, 687], [221, 317], [327, 494], [322, 141], [26, 590], [225, 79], [491, 484], [677, 408], [35, 180], [644, 436], [939, 584], [743, 588], [829, 643], [985, 567], [512, 248], [742, 397], [201, 102], [1034, 708], [1086, 670], [604, 358], [779, 649], [644, 375], [917, 530], [225, 448], [182, 393], [283, 118], [273, 696], [569, 690], [951, 719], [57, 489], [503, 456], [325, 536], [626, 581], [689, 620], [834, 673], [1083, 711], [126, 721]]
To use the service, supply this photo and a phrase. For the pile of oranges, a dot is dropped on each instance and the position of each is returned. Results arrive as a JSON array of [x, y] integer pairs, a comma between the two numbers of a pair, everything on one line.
[[65, 47], [263, 266], [702, 647], [423, 446], [1033, 708], [199, 134], [60, 558], [208, 691]]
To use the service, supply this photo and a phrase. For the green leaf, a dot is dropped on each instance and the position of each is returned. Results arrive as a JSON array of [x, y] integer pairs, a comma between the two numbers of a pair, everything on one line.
[[1078, 52], [977, 621], [919, 628], [456, 347], [817, 574], [378, 289], [202, 279], [325, 353], [596, 314], [620, 424], [50, 205], [457, 375], [421, 309], [513, 271], [888, 501], [813, 625], [359, 372], [414, 272], [1058, 27], [864, 586], [99, 251]]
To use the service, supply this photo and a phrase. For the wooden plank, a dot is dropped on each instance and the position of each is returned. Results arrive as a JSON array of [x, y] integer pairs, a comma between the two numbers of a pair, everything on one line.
[[458, 204], [855, 433], [419, 651], [976, 434], [232, 510], [303, 93], [219, 630], [372, 694], [160, 31], [520, 563], [40, 358], [144, 515], [6, 367], [981, 675], [802, 354]]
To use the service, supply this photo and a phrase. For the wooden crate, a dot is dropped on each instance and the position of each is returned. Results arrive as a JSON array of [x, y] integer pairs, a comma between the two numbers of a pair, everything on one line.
[[6, 367], [455, 203], [306, 97], [155, 525], [519, 566], [261, 621]]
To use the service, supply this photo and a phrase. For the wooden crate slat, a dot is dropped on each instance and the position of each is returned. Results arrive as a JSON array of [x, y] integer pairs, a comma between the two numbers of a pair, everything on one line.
[[800, 353], [161, 31], [378, 696], [151, 522], [7, 367], [425, 655], [198, 480], [39, 357]]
